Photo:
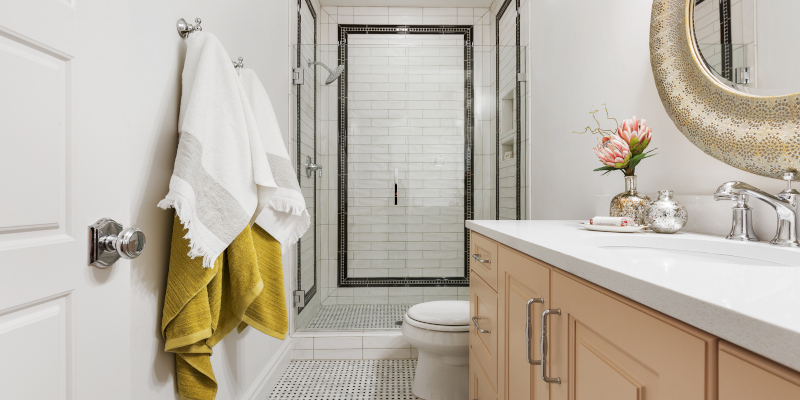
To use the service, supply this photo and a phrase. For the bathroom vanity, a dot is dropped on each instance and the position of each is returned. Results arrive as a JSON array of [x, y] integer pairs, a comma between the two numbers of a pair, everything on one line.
[[564, 313]]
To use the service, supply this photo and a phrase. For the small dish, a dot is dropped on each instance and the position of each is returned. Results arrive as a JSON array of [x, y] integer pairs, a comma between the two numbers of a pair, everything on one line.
[[617, 229]]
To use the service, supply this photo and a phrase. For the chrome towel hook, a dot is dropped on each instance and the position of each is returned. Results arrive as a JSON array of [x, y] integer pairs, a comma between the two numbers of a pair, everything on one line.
[[185, 28], [239, 64]]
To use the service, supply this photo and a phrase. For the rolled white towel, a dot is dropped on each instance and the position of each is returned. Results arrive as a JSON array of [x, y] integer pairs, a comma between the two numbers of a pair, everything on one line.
[[612, 221]]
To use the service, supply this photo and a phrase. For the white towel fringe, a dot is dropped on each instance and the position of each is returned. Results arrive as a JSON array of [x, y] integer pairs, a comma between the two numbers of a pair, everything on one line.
[[185, 212], [286, 206]]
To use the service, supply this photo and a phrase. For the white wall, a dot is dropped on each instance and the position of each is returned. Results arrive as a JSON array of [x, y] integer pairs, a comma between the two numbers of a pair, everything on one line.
[[590, 52], [259, 31], [777, 54]]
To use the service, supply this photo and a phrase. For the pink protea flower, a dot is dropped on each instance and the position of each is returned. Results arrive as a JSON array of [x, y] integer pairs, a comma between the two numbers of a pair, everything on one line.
[[636, 134], [613, 151]]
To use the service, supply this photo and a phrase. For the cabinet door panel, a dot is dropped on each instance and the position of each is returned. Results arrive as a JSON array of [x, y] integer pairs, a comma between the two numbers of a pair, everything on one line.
[[479, 387], [746, 376], [606, 347], [483, 305], [604, 371], [521, 279]]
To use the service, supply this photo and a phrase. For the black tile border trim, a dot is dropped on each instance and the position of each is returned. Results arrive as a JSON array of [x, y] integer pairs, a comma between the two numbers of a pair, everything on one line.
[[311, 292], [726, 41], [469, 137], [500, 14]]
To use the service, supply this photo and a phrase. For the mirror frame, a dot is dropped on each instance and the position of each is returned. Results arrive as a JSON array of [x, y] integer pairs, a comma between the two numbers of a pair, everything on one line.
[[758, 134]]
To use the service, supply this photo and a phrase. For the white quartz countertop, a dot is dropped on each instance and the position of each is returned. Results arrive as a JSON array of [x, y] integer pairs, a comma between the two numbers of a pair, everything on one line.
[[745, 293]]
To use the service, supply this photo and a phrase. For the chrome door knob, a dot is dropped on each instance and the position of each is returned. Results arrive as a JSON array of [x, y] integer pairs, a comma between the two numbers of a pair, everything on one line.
[[108, 242], [129, 243]]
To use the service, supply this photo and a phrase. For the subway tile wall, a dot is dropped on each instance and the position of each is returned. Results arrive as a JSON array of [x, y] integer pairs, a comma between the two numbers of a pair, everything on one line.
[[399, 83], [405, 123], [406, 111]]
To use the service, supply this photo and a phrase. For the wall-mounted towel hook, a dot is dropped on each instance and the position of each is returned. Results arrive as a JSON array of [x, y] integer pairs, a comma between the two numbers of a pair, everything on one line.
[[239, 64], [185, 28]]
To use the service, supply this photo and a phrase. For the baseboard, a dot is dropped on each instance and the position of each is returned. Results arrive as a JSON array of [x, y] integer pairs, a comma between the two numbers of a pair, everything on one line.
[[271, 373]]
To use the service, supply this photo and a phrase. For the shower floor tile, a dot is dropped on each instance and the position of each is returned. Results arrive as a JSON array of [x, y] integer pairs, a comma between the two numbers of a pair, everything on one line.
[[347, 380], [358, 316]]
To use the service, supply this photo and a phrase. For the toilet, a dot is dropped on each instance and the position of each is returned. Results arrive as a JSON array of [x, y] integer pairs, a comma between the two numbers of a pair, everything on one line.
[[440, 332]]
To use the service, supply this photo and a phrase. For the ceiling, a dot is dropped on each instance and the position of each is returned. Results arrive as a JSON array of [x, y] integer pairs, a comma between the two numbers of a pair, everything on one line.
[[407, 3]]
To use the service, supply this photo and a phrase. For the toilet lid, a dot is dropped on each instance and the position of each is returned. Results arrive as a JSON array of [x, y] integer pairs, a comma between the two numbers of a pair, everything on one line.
[[446, 312]]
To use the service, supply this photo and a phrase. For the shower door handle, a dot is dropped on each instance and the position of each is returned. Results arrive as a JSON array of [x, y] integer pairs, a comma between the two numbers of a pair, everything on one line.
[[311, 167]]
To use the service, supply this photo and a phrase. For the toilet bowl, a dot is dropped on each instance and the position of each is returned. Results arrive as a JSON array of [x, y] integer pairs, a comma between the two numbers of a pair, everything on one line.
[[440, 332]]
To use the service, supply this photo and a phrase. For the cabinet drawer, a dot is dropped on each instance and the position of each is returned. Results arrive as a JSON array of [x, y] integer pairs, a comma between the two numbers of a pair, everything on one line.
[[479, 387], [746, 376], [483, 307], [485, 249]]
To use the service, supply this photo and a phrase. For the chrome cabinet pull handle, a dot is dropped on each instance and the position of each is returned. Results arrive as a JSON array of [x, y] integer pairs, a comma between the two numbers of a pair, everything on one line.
[[528, 329], [478, 258], [475, 321], [543, 348]]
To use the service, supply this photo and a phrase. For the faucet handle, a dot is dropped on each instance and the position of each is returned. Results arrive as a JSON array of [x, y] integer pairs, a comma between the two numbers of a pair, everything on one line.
[[742, 226], [788, 177]]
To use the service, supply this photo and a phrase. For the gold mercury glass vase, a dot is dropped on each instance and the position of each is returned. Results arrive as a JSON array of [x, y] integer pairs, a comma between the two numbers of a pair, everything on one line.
[[630, 203]]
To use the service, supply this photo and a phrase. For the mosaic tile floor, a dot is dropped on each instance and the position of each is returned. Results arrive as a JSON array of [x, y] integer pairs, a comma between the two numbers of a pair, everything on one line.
[[347, 380], [358, 316]]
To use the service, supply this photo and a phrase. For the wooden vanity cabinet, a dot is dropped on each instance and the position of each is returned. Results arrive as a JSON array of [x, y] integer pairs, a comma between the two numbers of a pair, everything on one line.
[[603, 346], [747, 376], [606, 347]]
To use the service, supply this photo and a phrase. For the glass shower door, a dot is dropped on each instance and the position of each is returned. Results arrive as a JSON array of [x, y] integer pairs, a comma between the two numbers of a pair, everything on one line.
[[306, 147]]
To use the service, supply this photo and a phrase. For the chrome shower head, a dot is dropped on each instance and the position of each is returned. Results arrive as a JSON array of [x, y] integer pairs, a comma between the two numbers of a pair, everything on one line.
[[333, 74]]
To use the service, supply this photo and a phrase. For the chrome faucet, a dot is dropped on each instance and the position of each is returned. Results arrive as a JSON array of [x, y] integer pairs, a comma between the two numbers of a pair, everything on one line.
[[785, 204]]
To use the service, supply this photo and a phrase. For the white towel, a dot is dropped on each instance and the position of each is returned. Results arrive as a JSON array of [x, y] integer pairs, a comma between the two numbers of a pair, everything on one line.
[[283, 215], [221, 165]]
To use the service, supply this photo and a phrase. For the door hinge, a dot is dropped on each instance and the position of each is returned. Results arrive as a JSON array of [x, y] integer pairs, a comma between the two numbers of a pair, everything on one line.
[[299, 298], [742, 75], [522, 77], [297, 75]]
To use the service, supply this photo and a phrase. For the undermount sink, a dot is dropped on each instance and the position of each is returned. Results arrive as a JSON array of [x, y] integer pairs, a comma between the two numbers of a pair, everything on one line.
[[695, 249]]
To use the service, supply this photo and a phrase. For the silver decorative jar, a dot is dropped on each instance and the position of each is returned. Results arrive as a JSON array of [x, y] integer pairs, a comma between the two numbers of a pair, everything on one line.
[[666, 215], [630, 203]]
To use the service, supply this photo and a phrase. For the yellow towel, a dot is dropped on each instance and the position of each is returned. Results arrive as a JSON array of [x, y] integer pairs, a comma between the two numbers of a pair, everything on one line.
[[203, 305]]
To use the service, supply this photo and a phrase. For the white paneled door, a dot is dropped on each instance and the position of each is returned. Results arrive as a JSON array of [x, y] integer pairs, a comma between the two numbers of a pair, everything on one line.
[[64, 325]]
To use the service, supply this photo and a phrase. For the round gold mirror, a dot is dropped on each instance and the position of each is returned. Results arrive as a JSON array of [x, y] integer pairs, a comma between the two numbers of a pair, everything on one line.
[[742, 124]]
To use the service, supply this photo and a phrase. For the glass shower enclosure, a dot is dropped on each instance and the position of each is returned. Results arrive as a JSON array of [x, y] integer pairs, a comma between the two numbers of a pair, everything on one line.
[[407, 138]]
